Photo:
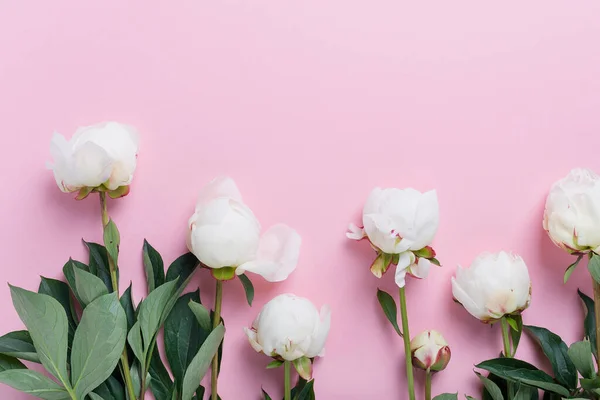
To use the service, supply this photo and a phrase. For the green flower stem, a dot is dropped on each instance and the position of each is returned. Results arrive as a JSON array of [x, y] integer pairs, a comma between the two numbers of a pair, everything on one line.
[[597, 312], [287, 386], [115, 284], [216, 320], [506, 338], [406, 337], [428, 385]]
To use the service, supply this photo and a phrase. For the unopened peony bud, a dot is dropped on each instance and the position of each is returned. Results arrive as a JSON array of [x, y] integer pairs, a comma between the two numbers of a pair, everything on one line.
[[430, 351]]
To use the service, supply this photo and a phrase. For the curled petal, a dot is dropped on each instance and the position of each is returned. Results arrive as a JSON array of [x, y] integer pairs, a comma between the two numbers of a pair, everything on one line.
[[317, 345], [277, 255], [355, 232], [219, 187], [253, 340], [420, 269], [404, 261]]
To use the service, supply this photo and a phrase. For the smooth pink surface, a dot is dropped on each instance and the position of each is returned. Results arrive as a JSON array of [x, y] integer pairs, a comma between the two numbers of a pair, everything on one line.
[[309, 105]]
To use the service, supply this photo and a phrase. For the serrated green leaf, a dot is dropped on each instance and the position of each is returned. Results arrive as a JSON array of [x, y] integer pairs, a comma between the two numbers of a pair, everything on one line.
[[201, 362], [18, 344], [446, 396], [557, 352], [580, 354], [274, 364], [112, 240], [89, 286], [154, 267], [98, 343], [8, 362], [202, 315], [183, 335], [46, 321], [34, 383], [98, 263], [152, 309], [388, 305], [571, 268], [491, 387], [589, 323], [248, 288]]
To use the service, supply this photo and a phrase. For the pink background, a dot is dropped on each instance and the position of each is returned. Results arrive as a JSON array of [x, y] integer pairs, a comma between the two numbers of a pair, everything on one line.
[[309, 105]]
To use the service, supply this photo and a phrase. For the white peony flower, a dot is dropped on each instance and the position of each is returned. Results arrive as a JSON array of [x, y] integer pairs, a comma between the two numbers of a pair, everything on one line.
[[494, 286], [290, 327], [400, 224], [572, 213], [224, 233], [100, 157], [430, 351]]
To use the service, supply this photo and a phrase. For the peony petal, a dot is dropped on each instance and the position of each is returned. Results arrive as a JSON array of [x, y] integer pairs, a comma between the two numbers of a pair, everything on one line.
[[427, 220], [355, 232], [420, 269], [222, 186], [317, 345], [463, 298], [92, 165], [400, 277], [277, 255], [253, 339]]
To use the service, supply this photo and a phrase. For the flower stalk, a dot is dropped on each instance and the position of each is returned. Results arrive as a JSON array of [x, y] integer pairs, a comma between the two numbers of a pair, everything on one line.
[[287, 378], [407, 352], [115, 285], [597, 312], [216, 320], [428, 385]]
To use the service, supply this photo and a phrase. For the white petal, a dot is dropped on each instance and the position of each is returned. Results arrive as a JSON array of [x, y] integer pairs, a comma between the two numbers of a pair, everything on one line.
[[219, 187], [400, 277], [355, 232], [317, 345], [463, 298], [427, 220], [92, 166], [421, 269], [253, 340], [277, 255]]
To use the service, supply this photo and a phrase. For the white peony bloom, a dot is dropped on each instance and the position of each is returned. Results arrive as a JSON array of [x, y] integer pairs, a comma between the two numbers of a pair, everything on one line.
[[100, 157], [572, 213], [290, 327], [493, 286], [430, 351], [224, 233], [400, 224]]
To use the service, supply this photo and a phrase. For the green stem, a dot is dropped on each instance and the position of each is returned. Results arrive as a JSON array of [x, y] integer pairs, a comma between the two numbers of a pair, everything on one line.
[[407, 354], [115, 286], [216, 321], [428, 385], [287, 386], [597, 312], [506, 337]]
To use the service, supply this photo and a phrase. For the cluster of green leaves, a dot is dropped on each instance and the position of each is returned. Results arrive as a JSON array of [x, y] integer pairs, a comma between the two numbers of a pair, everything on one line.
[[79, 330], [573, 372], [304, 390]]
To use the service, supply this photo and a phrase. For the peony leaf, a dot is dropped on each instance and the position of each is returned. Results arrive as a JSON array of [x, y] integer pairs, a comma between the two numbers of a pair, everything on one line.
[[274, 364], [446, 396], [493, 389], [89, 286], [18, 344], [303, 366], [589, 324], [154, 267], [571, 268], [8, 362], [112, 240], [248, 288], [202, 315], [389, 309], [98, 263], [34, 383], [581, 355]]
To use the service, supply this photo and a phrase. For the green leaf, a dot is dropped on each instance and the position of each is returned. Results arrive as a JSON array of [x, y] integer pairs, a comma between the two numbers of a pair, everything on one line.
[[154, 266], [307, 391], [182, 269], [127, 304], [500, 382], [59, 290], [557, 352], [200, 393], [151, 311], [435, 262], [389, 308], [202, 315], [111, 389], [34, 383], [580, 354], [89, 286], [19, 344], [94, 396], [98, 262], [446, 396], [98, 343], [134, 338], [526, 393], [491, 387], [248, 288], [589, 324], [470, 397], [303, 366], [183, 335], [275, 364], [69, 272], [594, 266], [136, 380], [571, 268], [161, 383], [265, 395], [112, 240], [201, 362], [522, 372], [516, 331], [46, 321], [8, 362]]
